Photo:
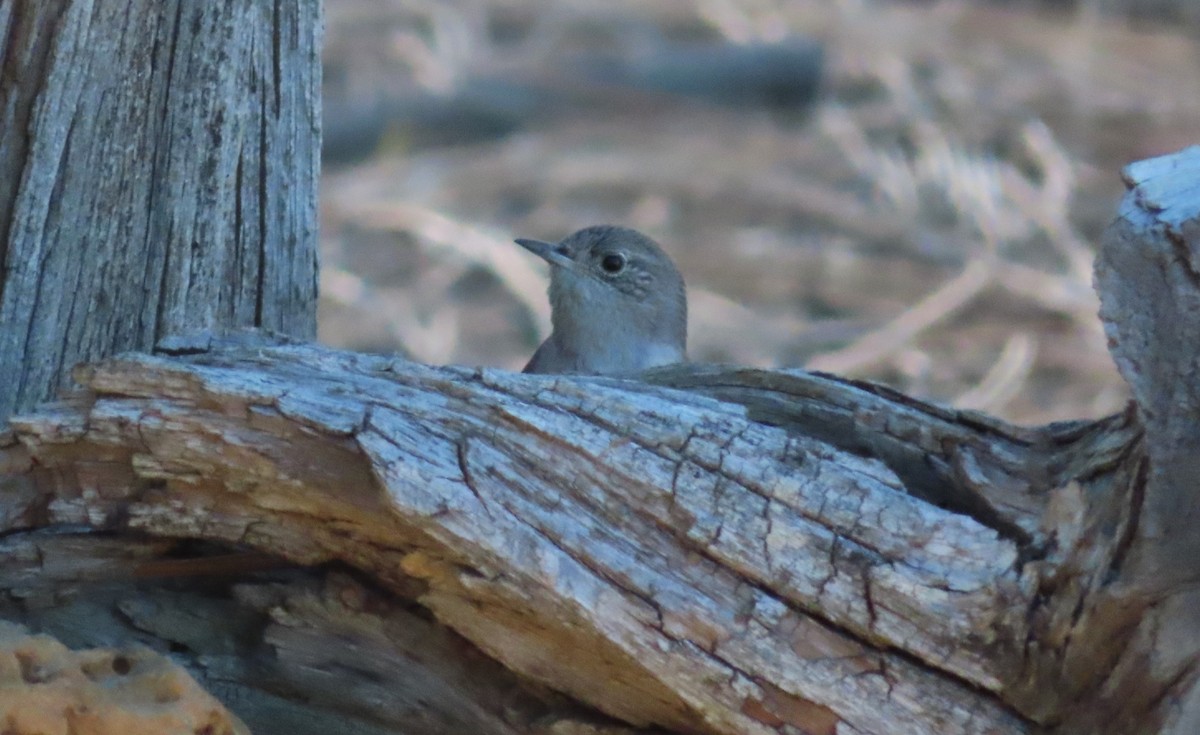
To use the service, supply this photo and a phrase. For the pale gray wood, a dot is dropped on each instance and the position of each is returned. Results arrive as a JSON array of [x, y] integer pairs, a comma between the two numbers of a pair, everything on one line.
[[714, 551], [709, 549], [665, 556], [1148, 276], [158, 167]]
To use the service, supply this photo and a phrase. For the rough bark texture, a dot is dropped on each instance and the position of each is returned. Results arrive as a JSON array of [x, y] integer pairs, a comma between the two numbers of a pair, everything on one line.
[[1148, 276], [351, 543], [670, 558], [706, 550], [659, 554], [158, 164]]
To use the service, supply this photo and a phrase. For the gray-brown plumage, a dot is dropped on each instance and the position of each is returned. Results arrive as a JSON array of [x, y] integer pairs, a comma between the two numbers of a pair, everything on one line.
[[618, 304]]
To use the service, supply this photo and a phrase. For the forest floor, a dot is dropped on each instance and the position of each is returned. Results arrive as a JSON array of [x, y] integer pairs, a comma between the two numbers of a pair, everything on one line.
[[929, 222]]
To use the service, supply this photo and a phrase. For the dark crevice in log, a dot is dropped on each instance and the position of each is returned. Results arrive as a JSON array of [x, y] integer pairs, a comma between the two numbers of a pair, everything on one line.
[[27, 51], [211, 607], [1136, 497]]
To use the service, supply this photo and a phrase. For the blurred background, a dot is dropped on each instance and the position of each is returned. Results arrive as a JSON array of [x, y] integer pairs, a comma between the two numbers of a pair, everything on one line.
[[909, 192]]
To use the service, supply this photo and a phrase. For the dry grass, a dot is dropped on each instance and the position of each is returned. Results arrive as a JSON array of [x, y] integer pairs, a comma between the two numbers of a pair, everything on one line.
[[930, 225]]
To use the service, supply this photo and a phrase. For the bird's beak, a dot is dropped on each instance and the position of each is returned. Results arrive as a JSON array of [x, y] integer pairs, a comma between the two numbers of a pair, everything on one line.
[[549, 252]]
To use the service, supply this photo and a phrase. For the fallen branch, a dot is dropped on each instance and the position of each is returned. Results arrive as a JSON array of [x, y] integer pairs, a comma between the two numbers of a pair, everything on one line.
[[706, 549]]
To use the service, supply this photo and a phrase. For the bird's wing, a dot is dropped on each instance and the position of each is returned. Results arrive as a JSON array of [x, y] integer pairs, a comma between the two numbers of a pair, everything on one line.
[[544, 360]]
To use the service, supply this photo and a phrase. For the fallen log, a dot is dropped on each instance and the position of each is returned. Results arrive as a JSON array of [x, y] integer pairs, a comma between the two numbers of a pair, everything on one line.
[[703, 549]]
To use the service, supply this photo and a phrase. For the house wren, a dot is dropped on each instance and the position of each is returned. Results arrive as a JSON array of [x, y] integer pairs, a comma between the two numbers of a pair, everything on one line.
[[617, 304]]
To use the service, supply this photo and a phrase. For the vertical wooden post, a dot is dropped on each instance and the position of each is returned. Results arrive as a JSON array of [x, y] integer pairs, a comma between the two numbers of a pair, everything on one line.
[[158, 175]]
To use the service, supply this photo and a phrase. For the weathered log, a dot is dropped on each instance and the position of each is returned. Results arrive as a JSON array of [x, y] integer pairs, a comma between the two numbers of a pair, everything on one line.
[[712, 571], [343, 542], [716, 571], [707, 549]]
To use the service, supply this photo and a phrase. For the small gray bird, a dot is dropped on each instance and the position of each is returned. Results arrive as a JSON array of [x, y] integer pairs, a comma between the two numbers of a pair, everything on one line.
[[617, 303]]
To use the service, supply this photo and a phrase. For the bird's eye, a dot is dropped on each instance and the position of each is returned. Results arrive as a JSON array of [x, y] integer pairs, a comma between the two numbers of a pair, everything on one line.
[[613, 263]]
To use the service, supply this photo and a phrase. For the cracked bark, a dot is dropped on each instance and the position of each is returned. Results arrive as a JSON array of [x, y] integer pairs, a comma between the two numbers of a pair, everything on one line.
[[703, 550], [135, 197], [354, 543]]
